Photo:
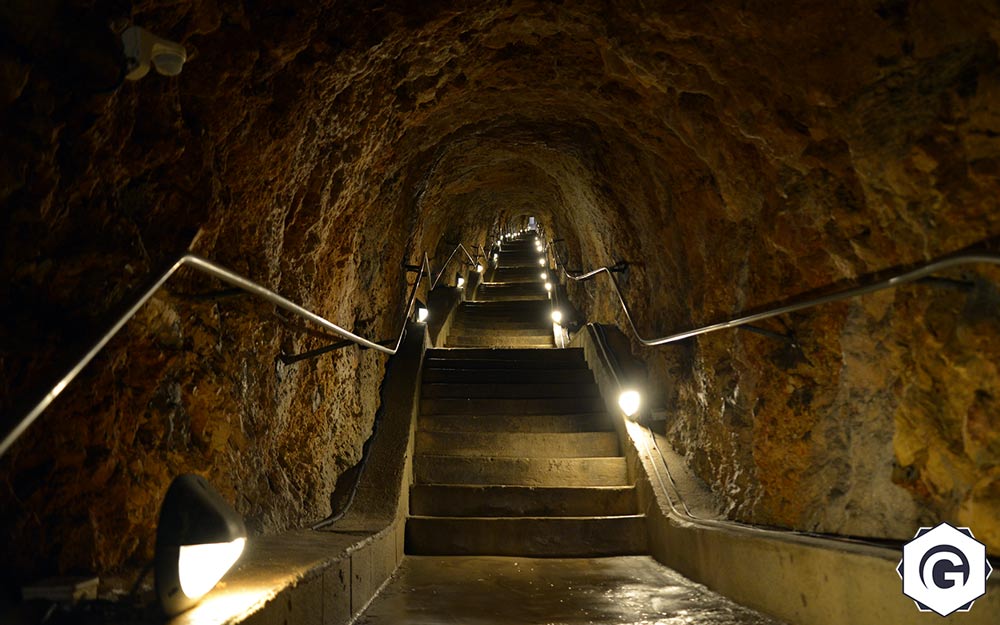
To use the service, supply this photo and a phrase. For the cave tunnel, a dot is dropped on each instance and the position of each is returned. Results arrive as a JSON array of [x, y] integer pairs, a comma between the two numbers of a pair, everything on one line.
[[727, 156]]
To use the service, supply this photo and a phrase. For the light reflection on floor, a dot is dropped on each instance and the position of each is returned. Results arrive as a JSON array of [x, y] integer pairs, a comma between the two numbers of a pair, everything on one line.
[[522, 591]]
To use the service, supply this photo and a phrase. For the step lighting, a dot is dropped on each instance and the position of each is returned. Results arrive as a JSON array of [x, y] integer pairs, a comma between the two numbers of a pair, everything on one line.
[[479, 268], [198, 539], [541, 262], [557, 316], [460, 282], [548, 286], [496, 257], [422, 314], [629, 401], [545, 276]]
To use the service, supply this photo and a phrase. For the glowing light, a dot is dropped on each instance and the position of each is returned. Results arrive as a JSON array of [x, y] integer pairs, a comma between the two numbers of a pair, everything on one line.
[[545, 276], [200, 567], [496, 257], [460, 282], [629, 401], [422, 314], [541, 262], [557, 316], [479, 268], [548, 286]]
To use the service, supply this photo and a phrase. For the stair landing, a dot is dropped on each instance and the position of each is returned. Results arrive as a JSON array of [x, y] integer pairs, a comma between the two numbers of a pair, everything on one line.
[[520, 591]]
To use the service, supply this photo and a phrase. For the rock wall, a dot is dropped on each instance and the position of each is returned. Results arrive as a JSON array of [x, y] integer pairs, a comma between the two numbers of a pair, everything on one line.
[[734, 154]]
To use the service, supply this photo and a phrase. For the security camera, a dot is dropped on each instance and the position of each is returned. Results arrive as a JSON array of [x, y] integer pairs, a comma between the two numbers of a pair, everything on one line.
[[143, 47]]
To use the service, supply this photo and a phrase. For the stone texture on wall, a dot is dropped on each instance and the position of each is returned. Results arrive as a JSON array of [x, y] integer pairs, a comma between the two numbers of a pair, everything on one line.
[[733, 153]]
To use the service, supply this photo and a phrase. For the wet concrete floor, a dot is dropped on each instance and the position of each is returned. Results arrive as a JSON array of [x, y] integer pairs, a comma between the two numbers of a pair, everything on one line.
[[499, 591]]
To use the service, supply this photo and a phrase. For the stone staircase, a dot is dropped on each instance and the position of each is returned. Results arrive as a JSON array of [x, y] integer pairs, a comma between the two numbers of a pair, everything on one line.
[[515, 452], [511, 309]]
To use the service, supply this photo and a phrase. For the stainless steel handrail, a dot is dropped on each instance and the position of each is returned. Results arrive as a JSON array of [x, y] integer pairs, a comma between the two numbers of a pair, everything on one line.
[[445, 266], [229, 277], [743, 318]]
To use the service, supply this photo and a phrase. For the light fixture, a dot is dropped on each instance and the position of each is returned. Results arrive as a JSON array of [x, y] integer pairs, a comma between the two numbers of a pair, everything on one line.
[[541, 262], [143, 49], [198, 539], [557, 316], [460, 282], [629, 401], [479, 268], [496, 257], [422, 314], [548, 286], [545, 276]]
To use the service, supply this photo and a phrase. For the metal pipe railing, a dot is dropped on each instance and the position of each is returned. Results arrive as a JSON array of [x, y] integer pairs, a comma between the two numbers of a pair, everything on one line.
[[233, 279], [801, 303]]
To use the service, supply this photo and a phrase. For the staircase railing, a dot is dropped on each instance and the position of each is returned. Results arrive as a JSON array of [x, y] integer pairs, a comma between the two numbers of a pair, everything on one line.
[[801, 302], [54, 389]]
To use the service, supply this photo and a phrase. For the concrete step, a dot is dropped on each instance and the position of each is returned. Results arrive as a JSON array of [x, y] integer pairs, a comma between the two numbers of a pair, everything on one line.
[[485, 406], [519, 501], [584, 422], [508, 390], [514, 308], [551, 356], [556, 537], [507, 375], [485, 322], [518, 444], [430, 469], [510, 297], [501, 329], [499, 340], [479, 364], [486, 342]]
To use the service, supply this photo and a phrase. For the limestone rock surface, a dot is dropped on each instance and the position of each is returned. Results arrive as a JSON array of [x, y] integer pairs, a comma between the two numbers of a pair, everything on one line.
[[734, 153]]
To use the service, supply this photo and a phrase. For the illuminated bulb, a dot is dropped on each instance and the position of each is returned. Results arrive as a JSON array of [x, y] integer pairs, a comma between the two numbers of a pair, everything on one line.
[[557, 316], [548, 286], [200, 567], [422, 314], [541, 262], [479, 268], [629, 402], [545, 276], [461, 282], [496, 257]]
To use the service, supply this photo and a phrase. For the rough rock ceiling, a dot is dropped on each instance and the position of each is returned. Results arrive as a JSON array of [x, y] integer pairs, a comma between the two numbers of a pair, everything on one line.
[[734, 152]]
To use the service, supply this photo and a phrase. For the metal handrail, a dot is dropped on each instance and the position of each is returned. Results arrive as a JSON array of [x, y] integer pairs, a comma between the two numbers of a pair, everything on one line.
[[745, 317], [229, 277], [445, 266]]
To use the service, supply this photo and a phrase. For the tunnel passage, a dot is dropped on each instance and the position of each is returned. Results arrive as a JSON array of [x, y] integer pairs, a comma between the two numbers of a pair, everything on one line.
[[733, 154]]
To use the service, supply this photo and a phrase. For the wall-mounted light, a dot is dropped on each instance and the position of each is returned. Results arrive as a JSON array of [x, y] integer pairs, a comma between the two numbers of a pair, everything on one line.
[[143, 49], [198, 539], [460, 282], [548, 286], [557, 316], [479, 268], [629, 401], [422, 314], [496, 257], [541, 262], [544, 275]]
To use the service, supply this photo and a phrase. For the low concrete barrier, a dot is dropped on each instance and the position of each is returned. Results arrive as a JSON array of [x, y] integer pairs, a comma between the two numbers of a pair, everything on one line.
[[328, 577]]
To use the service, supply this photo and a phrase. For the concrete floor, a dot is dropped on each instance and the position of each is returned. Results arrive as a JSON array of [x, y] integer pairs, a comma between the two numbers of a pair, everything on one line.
[[524, 591]]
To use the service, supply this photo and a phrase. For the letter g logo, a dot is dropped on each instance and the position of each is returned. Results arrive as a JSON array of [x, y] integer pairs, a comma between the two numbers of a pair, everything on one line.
[[945, 561]]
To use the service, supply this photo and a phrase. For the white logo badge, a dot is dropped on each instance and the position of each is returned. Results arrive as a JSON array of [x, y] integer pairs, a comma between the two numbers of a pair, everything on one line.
[[944, 569]]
